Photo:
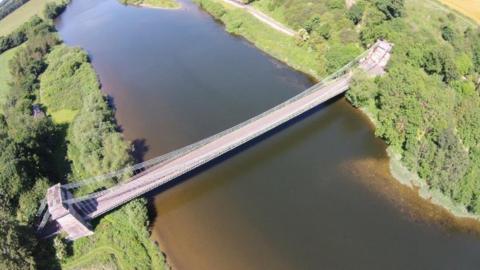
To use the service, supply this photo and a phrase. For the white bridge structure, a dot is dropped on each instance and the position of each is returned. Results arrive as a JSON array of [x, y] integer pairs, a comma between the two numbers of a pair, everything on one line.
[[63, 212]]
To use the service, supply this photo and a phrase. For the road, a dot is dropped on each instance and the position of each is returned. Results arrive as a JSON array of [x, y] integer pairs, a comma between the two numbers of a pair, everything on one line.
[[263, 17]]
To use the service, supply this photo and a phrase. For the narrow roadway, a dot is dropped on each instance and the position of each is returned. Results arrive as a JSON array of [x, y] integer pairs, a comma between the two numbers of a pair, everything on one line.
[[262, 17], [160, 175], [373, 63]]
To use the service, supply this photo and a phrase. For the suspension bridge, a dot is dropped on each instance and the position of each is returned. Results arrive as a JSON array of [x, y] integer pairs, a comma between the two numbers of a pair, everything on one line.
[[62, 211]]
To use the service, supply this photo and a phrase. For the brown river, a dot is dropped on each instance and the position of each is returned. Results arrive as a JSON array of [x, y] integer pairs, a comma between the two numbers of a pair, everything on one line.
[[314, 194]]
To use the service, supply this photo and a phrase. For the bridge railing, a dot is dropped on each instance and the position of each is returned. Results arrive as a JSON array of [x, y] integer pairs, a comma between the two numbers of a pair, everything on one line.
[[158, 161], [187, 149]]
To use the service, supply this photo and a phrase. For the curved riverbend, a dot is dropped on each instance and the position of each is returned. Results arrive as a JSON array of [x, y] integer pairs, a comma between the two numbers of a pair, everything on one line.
[[315, 195]]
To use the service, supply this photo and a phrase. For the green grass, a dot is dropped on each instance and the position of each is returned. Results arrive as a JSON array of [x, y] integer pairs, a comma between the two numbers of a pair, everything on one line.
[[167, 4], [5, 72], [60, 88], [121, 241], [22, 14], [277, 44]]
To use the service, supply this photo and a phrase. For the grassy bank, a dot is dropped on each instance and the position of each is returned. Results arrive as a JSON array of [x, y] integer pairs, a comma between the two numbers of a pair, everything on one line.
[[77, 137], [166, 4], [427, 106], [285, 48]]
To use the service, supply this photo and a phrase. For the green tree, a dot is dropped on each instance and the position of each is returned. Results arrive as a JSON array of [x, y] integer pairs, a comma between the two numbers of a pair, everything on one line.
[[391, 8], [53, 10], [355, 13], [96, 147], [448, 34], [15, 252], [61, 247]]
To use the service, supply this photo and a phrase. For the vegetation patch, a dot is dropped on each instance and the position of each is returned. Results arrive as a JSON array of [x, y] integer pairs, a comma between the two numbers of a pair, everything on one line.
[[64, 116], [67, 79], [5, 75]]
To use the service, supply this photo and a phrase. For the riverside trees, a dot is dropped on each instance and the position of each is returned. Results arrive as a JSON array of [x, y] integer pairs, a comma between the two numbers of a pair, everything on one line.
[[427, 106]]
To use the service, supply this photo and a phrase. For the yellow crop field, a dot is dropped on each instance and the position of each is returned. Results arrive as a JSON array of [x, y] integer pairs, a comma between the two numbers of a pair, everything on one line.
[[470, 8]]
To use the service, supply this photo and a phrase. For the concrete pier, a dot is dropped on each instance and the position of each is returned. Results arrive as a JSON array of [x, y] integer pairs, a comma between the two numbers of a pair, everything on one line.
[[65, 215]]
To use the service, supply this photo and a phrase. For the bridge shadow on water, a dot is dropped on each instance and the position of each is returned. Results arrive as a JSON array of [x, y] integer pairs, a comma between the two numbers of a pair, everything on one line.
[[197, 171]]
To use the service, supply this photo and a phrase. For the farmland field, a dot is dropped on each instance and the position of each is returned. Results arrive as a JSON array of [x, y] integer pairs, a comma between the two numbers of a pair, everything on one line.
[[21, 15], [470, 8]]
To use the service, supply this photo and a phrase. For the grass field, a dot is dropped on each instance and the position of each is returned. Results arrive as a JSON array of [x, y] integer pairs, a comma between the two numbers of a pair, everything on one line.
[[4, 71], [21, 15], [470, 8]]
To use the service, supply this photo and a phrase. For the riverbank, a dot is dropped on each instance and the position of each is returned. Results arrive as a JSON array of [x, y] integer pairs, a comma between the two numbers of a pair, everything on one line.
[[238, 22], [404, 176], [60, 140]]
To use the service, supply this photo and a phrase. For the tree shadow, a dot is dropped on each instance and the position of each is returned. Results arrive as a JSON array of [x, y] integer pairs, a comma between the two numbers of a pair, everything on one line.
[[59, 167], [45, 254], [140, 149]]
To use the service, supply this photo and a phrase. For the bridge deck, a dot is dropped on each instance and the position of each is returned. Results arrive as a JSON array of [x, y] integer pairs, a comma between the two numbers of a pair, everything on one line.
[[211, 148], [373, 64], [210, 151]]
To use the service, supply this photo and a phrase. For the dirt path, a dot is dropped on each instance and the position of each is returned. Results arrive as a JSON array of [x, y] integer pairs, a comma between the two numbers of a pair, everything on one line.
[[263, 17]]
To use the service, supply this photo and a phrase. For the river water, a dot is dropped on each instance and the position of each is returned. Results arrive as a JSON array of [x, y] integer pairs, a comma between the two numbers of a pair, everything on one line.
[[315, 194]]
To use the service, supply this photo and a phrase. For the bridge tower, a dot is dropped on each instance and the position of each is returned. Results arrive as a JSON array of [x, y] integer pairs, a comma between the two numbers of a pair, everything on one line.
[[65, 215]]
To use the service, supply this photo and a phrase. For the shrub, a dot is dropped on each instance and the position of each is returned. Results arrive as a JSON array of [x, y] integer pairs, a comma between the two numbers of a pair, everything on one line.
[[52, 9], [391, 8], [216, 9], [448, 33], [355, 13]]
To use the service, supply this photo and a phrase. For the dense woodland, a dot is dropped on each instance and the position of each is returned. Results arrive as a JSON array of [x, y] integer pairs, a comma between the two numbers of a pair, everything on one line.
[[428, 105], [38, 151], [427, 108]]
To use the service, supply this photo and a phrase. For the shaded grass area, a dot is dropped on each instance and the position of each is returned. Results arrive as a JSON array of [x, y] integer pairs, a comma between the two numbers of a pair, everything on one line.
[[5, 72], [22, 14]]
